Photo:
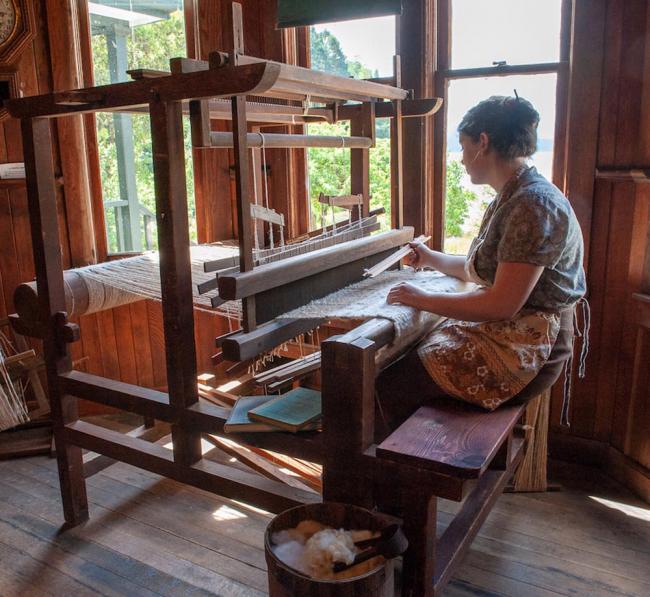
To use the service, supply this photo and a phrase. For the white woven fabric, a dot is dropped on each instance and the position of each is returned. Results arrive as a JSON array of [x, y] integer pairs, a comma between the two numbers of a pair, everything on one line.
[[367, 300]]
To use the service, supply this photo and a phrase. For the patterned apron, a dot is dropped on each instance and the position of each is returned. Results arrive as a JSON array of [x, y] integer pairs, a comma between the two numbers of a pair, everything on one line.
[[489, 362]]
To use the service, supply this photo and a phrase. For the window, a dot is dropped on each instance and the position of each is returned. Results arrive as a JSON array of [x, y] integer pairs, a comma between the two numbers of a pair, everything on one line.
[[131, 34], [362, 49], [497, 47]]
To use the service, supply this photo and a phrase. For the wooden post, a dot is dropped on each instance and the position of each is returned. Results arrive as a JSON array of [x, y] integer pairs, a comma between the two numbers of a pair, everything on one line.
[[242, 190], [348, 374], [396, 138], [419, 510], [242, 182], [66, 56], [175, 272], [43, 218], [415, 37], [362, 125]]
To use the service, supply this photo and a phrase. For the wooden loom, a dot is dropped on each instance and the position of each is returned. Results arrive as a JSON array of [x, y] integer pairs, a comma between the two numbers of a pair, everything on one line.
[[354, 469]]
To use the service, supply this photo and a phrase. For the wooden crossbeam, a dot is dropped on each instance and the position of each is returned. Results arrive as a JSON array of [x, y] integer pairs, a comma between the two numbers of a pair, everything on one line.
[[286, 140], [224, 480], [243, 346], [348, 201], [272, 275]]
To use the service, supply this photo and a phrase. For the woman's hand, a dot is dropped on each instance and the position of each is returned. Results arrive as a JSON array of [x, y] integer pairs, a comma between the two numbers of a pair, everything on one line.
[[407, 294], [418, 256]]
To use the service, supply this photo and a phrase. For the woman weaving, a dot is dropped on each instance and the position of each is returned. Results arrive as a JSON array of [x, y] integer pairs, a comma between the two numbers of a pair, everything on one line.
[[511, 336]]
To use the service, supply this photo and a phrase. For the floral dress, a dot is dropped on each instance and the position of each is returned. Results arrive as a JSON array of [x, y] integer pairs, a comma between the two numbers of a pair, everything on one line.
[[487, 363]]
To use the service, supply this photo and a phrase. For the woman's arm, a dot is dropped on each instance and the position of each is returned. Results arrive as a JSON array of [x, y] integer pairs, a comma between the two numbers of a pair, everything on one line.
[[450, 265], [513, 284]]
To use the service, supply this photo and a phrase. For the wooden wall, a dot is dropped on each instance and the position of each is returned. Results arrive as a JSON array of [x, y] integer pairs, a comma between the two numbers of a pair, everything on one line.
[[608, 140]]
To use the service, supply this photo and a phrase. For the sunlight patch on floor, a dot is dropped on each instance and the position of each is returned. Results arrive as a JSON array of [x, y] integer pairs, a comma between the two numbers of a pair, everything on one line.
[[227, 513], [634, 511]]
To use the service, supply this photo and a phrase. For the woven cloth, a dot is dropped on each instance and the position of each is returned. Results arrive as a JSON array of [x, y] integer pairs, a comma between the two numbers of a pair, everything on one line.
[[367, 300]]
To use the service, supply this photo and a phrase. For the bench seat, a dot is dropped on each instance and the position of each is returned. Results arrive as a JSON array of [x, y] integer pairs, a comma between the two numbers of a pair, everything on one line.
[[451, 438]]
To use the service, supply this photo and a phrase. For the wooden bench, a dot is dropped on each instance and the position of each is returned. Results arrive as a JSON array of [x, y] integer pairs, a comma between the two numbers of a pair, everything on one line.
[[447, 449], [476, 449]]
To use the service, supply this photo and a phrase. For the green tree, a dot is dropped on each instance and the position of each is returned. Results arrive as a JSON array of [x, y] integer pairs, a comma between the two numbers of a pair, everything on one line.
[[326, 53], [457, 200], [148, 46]]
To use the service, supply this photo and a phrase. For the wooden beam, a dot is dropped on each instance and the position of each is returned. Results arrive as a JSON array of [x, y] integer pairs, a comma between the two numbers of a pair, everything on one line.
[[271, 275], [502, 70], [95, 463], [362, 125], [175, 272], [229, 81], [244, 226], [411, 108], [46, 244], [128, 397], [277, 140], [244, 346], [211, 476], [460, 533]]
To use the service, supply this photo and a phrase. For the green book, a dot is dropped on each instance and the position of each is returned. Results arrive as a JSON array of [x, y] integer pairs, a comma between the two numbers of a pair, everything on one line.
[[238, 421], [298, 409]]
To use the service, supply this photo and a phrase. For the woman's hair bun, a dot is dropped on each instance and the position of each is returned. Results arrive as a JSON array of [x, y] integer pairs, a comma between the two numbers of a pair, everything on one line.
[[509, 122]]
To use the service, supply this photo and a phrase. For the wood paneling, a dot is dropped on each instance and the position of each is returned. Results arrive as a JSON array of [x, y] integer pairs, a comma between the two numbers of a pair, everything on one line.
[[611, 405]]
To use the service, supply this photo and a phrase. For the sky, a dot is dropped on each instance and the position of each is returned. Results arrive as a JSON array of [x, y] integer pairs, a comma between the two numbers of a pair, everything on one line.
[[518, 31]]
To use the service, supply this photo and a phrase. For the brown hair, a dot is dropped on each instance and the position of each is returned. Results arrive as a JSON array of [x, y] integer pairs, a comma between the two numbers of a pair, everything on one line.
[[509, 122]]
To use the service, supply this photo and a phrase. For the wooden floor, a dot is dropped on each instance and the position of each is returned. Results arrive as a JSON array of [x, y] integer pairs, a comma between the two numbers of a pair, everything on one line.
[[151, 536]]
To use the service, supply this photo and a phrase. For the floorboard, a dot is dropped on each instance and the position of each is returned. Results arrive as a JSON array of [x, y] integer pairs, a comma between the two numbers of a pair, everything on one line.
[[151, 536]]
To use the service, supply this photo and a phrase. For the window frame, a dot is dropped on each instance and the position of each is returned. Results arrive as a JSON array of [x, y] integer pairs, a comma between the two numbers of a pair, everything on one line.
[[443, 74], [192, 46]]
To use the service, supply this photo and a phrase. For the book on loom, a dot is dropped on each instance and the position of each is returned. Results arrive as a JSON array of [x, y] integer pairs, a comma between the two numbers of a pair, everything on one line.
[[238, 420], [298, 409]]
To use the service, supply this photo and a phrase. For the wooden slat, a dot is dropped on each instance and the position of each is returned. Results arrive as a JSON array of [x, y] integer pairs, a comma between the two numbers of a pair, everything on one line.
[[279, 141], [95, 463], [211, 476], [175, 271], [457, 538], [253, 78], [288, 270], [136, 399], [451, 437], [37, 145], [244, 346]]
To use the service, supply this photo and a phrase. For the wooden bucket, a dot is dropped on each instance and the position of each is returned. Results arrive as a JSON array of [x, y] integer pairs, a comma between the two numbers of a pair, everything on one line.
[[288, 582]]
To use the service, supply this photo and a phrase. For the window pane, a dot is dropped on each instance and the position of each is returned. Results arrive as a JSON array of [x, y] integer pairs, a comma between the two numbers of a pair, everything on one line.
[[361, 49], [517, 31], [130, 34], [465, 202]]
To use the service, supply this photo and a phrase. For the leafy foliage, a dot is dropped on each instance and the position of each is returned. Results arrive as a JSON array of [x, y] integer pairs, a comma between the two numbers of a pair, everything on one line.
[[326, 53], [148, 46], [457, 200]]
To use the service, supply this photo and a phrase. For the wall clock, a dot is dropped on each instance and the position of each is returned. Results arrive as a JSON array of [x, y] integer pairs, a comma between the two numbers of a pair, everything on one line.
[[16, 28]]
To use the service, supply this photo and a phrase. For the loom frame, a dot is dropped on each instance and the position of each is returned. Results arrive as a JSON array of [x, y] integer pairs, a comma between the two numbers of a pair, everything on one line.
[[164, 97], [355, 469]]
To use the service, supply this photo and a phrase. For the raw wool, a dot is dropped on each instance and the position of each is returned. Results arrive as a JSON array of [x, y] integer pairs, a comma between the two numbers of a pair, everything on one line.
[[367, 300], [13, 409], [312, 549], [326, 547]]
